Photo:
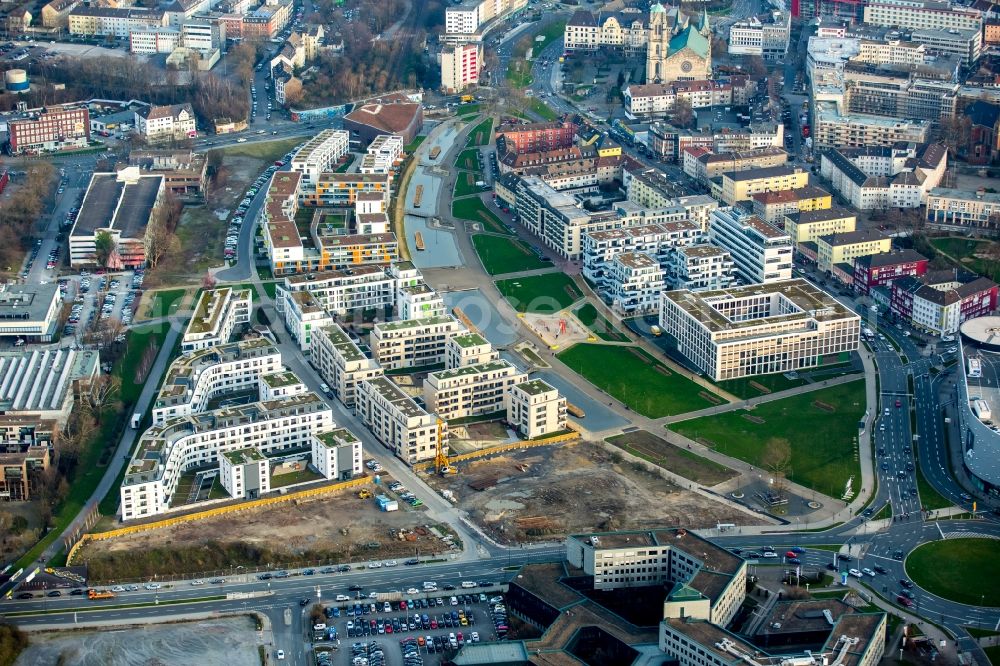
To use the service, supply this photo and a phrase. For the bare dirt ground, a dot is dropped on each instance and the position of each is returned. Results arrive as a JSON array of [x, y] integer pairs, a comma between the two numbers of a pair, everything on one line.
[[300, 533], [212, 643], [548, 492]]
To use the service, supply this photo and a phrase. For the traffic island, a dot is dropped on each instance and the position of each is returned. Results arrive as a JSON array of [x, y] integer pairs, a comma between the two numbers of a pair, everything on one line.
[[954, 569]]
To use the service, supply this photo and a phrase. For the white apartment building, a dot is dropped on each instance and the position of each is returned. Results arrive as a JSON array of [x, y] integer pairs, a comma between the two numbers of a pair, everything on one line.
[[359, 288], [303, 315], [700, 268], [468, 349], [337, 454], [418, 301], [758, 329], [831, 129], [463, 19], [413, 343], [470, 390], [166, 452], [767, 38], [216, 315], [406, 429], [387, 149], [115, 21], [460, 67], [153, 39], [195, 379], [711, 579], [245, 473], [202, 35], [165, 123], [655, 240], [885, 177], [321, 153], [535, 409], [761, 252], [922, 14], [634, 281], [340, 362]]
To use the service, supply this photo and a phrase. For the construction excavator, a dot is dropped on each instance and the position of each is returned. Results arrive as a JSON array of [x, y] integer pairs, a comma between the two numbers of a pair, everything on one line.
[[441, 463]]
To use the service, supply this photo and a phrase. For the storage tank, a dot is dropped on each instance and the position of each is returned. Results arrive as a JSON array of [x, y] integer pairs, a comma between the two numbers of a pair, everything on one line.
[[15, 80]]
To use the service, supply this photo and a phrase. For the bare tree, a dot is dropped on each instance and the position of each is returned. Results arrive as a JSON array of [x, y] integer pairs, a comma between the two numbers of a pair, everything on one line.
[[683, 114], [777, 459], [104, 390]]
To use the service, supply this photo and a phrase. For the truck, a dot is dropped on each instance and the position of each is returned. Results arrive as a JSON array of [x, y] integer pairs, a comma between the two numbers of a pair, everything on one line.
[[465, 99], [136, 420], [99, 594]]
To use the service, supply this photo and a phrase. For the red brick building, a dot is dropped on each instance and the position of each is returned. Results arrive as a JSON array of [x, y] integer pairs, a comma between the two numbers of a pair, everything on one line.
[[534, 137], [49, 130], [880, 269]]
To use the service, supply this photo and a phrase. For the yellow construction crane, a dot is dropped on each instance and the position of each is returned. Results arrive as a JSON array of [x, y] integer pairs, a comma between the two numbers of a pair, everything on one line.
[[441, 458]]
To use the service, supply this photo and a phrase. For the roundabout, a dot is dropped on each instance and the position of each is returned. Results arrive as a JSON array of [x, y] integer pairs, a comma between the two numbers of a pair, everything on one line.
[[959, 569]]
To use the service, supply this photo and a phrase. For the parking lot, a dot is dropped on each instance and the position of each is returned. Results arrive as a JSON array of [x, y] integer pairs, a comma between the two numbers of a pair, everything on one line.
[[422, 628], [98, 298]]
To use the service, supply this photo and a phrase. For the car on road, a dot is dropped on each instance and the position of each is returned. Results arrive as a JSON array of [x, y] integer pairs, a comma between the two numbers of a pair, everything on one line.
[[153, 586], [879, 569], [908, 594], [281, 654], [905, 583], [26, 595], [856, 573], [903, 600], [868, 572], [355, 588]]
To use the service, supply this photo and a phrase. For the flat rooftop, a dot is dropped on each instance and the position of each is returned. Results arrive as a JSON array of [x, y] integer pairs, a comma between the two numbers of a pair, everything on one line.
[[40, 380], [399, 398], [343, 343], [111, 203], [336, 438], [789, 617], [535, 387], [468, 340], [244, 456], [407, 324], [281, 379], [210, 308], [26, 302]]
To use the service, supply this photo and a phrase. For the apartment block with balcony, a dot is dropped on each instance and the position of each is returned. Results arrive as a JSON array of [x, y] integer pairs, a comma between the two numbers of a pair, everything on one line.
[[245, 473], [320, 154], [216, 315], [413, 343], [340, 362], [393, 417], [471, 390], [656, 240], [960, 210], [699, 268], [761, 252], [774, 206], [633, 284], [808, 226], [337, 453], [468, 349], [303, 314], [733, 187], [535, 409]]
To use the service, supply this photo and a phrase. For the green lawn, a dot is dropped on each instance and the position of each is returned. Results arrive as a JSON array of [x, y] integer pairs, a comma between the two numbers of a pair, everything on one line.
[[748, 387], [137, 342], [164, 302], [637, 379], [468, 160], [954, 569], [271, 288], [543, 110], [963, 251], [413, 145], [502, 254], [660, 452], [288, 479], [598, 323], [822, 463], [465, 184], [474, 210], [268, 151], [481, 133], [993, 654], [543, 294], [930, 499]]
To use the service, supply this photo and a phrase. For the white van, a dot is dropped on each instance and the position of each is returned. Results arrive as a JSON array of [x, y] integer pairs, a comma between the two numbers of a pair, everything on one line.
[[343, 597], [467, 584], [430, 585]]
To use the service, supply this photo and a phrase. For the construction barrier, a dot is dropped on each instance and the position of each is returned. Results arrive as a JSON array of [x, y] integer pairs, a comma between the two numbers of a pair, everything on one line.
[[217, 511], [504, 448]]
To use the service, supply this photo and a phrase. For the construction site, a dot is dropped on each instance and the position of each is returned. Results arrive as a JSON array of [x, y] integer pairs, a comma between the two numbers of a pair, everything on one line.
[[342, 528], [547, 492]]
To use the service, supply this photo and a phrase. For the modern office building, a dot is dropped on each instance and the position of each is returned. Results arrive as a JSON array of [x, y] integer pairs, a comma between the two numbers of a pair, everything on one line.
[[30, 312], [120, 205], [39, 388], [759, 329], [470, 390], [336, 453], [340, 362], [535, 409], [216, 315], [761, 252], [392, 416], [414, 342], [833, 129], [961, 210], [168, 451], [765, 36], [195, 379], [922, 15]]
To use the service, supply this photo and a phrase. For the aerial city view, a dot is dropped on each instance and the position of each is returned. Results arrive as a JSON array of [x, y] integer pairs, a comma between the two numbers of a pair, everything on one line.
[[500, 332]]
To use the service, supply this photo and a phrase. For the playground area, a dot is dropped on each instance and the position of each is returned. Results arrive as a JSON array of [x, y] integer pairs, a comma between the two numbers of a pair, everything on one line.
[[557, 330]]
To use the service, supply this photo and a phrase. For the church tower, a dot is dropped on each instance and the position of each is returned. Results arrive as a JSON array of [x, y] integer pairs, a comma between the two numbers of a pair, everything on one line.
[[659, 43]]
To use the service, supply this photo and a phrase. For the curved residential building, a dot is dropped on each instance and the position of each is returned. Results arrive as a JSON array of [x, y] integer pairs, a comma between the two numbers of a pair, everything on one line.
[[194, 380], [167, 451], [979, 402]]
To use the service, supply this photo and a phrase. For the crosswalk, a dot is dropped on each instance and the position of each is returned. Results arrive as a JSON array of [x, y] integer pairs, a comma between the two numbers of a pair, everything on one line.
[[968, 535]]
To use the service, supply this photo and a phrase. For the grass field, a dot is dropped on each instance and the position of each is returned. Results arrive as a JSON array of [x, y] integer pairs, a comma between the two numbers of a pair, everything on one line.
[[139, 338], [474, 210], [993, 654], [481, 133], [963, 251], [268, 151], [543, 294], [164, 302], [543, 110], [468, 160], [413, 145], [822, 463], [465, 184], [930, 499], [660, 452], [747, 387], [597, 323], [637, 379], [502, 254], [954, 568]]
